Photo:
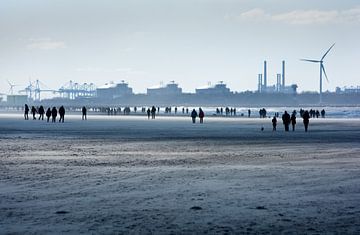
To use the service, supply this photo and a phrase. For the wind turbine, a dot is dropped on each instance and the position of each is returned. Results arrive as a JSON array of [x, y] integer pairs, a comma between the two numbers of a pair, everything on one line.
[[11, 90], [322, 68]]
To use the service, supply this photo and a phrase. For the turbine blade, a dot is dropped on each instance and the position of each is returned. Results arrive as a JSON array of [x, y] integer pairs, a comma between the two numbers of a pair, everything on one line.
[[323, 69], [314, 61], [327, 51]]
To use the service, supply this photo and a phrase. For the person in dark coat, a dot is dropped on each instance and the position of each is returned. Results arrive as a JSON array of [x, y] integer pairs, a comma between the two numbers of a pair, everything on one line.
[[286, 120], [148, 111], [306, 117], [41, 112], [53, 114], [62, 113], [153, 111], [274, 122], [33, 112], [201, 115], [48, 114], [323, 113], [293, 121], [193, 115], [83, 110], [26, 112]]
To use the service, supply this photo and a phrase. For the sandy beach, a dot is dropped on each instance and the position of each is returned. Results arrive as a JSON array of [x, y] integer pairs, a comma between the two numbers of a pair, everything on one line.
[[168, 176]]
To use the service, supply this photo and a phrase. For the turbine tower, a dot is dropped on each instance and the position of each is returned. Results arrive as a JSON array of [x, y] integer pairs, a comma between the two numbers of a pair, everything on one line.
[[322, 68]]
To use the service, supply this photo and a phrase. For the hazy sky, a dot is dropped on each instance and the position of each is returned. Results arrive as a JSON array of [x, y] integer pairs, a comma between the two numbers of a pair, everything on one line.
[[192, 42]]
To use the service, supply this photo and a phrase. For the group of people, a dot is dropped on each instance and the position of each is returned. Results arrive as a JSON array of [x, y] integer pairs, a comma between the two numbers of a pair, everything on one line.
[[151, 112], [194, 115], [50, 113], [228, 111], [287, 120], [314, 113]]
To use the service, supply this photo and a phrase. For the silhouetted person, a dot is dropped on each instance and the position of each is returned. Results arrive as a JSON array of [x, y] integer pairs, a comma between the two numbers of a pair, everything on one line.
[[48, 114], [41, 112], [62, 114], [323, 113], [153, 111], [33, 112], [286, 120], [249, 112], [306, 117], [83, 110], [26, 112], [148, 113], [293, 121], [317, 113], [193, 115], [201, 115], [301, 112], [53, 114], [274, 122]]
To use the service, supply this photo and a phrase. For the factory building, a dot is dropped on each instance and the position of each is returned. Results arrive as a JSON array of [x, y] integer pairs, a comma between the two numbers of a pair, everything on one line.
[[171, 88], [16, 99], [348, 90], [217, 89], [279, 87], [113, 90]]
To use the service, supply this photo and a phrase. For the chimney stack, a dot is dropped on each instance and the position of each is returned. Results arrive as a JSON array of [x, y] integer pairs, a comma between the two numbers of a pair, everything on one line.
[[265, 75], [278, 82], [283, 74], [259, 82]]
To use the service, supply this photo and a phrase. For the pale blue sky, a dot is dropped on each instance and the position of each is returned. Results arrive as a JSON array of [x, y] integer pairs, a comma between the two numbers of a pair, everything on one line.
[[192, 42]]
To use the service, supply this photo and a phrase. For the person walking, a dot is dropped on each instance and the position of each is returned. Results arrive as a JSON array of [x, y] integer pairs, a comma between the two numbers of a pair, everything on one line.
[[153, 111], [83, 110], [306, 117], [48, 114], [201, 115], [286, 120], [33, 112], [274, 122], [41, 112], [193, 115], [62, 114], [293, 121], [26, 112], [148, 113], [53, 114]]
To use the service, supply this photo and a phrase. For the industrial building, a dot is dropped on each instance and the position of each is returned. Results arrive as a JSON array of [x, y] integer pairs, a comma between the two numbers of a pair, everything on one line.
[[171, 88], [217, 89], [348, 90], [113, 90], [16, 99], [279, 87]]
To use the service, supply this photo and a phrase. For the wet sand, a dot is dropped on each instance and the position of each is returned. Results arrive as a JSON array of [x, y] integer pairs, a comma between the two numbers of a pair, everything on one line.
[[133, 175]]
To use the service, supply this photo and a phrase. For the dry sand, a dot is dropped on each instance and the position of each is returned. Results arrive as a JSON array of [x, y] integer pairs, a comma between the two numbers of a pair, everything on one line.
[[133, 175]]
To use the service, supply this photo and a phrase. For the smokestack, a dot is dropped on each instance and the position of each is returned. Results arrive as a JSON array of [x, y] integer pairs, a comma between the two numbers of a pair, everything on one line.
[[283, 74], [265, 75], [259, 82], [278, 82]]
